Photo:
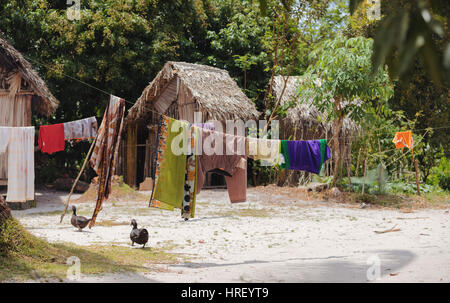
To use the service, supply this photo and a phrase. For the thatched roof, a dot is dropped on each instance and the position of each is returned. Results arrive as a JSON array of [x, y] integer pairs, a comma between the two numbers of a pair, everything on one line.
[[304, 113], [212, 90], [43, 100]]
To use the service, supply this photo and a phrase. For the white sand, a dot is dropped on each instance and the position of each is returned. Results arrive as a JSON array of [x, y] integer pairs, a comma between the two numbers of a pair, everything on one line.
[[299, 241]]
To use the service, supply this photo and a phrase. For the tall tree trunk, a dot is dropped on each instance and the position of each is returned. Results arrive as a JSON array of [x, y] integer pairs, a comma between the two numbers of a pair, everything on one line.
[[5, 212], [337, 126]]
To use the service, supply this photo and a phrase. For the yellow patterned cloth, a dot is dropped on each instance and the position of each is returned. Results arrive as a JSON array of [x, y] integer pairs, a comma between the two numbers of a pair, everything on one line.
[[171, 156]]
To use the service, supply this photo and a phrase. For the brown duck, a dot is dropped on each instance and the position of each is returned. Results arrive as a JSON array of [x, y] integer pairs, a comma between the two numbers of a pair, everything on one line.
[[79, 222], [138, 235]]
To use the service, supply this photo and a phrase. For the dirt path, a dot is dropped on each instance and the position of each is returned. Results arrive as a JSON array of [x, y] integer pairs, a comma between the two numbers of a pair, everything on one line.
[[271, 238]]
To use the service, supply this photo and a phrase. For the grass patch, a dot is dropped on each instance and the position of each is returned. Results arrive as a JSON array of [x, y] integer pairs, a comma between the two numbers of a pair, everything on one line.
[[44, 213], [24, 256], [120, 192], [109, 223], [405, 201]]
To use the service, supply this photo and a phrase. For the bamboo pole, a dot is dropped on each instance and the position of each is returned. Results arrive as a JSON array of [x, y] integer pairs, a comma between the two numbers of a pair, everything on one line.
[[365, 170], [416, 171], [78, 178], [357, 162]]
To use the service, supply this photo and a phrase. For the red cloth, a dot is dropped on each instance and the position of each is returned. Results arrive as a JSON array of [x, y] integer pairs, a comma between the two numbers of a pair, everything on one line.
[[51, 138]]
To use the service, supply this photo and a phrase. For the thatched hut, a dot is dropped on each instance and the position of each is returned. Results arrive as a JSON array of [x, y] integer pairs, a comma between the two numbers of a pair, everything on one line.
[[305, 122], [178, 90], [22, 92]]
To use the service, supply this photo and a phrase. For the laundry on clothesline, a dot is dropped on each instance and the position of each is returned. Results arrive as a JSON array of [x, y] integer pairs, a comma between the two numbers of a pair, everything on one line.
[[403, 139], [208, 125], [170, 165], [231, 158], [105, 154], [83, 129], [18, 142], [52, 137], [266, 150], [304, 155], [177, 188], [201, 150]]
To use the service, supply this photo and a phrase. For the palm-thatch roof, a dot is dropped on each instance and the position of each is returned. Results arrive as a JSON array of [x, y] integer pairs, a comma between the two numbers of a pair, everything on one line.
[[43, 100], [211, 89], [304, 113]]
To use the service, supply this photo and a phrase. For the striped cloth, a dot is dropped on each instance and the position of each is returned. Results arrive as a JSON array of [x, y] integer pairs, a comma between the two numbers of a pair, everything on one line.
[[83, 129], [106, 150]]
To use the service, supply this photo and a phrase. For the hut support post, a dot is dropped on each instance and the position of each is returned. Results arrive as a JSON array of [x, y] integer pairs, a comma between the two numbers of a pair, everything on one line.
[[416, 172], [131, 155], [78, 178]]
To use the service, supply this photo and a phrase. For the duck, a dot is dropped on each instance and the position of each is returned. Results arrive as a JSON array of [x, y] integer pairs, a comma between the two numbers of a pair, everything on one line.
[[79, 222], [138, 235]]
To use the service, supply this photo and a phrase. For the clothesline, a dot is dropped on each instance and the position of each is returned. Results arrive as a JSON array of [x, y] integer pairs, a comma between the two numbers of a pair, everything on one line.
[[158, 113]]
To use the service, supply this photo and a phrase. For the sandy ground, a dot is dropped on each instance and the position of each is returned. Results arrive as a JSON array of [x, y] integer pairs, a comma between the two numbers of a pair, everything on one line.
[[270, 238]]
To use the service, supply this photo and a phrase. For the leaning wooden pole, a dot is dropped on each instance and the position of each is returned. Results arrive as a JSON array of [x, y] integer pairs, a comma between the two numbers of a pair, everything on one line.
[[78, 178], [416, 171]]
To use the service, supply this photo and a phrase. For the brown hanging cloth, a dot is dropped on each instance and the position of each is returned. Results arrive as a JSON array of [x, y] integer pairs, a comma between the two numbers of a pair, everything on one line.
[[106, 150]]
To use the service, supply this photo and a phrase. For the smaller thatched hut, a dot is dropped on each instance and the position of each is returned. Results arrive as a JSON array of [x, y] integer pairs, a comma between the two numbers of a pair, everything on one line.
[[305, 122], [22, 92], [178, 90]]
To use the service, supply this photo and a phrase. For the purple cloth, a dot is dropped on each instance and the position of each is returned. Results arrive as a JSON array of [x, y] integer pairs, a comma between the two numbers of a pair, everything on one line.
[[208, 125], [305, 155]]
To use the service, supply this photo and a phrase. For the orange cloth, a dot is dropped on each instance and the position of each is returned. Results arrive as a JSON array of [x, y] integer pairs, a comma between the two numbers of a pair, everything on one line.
[[403, 139]]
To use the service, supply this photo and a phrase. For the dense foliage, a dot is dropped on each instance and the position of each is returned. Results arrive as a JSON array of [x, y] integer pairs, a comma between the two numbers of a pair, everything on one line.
[[118, 46]]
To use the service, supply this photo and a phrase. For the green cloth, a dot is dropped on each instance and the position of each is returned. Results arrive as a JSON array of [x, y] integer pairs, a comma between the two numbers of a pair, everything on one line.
[[323, 150], [285, 152], [170, 182]]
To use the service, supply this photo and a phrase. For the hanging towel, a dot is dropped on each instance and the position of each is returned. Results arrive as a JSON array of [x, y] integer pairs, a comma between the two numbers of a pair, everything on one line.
[[21, 165], [5, 134], [266, 150], [308, 155], [170, 164], [230, 158], [403, 139], [51, 138], [83, 129], [284, 155], [325, 152], [106, 150]]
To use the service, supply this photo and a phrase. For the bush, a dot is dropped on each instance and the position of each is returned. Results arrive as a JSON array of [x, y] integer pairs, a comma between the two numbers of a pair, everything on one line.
[[409, 188], [440, 175], [444, 182]]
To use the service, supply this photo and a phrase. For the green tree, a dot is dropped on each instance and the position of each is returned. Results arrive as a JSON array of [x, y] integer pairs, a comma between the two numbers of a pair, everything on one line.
[[420, 96], [117, 46], [340, 84]]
